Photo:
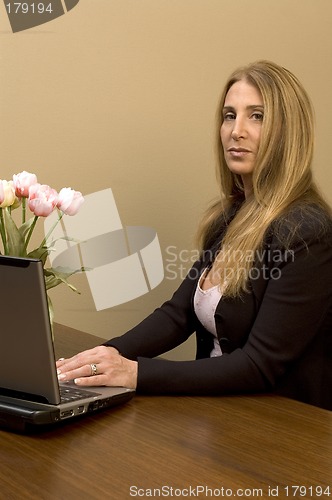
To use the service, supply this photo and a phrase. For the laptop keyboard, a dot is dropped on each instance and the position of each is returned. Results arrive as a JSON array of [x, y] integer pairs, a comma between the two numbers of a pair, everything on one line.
[[69, 394]]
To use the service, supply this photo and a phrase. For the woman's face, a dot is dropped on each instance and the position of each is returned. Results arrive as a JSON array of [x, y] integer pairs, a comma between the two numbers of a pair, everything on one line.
[[241, 129]]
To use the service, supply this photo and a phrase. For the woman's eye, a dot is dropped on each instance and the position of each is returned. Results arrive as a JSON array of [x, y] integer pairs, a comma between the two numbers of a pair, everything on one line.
[[257, 116], [229, 116]]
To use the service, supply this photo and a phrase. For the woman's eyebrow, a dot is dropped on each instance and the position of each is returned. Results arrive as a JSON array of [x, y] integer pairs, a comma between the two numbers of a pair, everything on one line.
[[255, 106], [249, 107]]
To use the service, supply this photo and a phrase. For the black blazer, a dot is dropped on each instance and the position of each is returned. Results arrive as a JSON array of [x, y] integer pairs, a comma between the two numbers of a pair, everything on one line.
[[276, 338]]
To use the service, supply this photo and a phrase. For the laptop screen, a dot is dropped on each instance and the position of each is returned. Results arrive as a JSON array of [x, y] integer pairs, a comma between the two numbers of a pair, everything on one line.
[[27, 363]]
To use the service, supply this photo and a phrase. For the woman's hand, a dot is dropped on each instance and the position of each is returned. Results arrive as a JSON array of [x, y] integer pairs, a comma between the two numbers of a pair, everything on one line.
[[98, 366]]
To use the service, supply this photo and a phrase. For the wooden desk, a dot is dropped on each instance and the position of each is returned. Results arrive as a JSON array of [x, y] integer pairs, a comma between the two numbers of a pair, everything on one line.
[[239, 446]]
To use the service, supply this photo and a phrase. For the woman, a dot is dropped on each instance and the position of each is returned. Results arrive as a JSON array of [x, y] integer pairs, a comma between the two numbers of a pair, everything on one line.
[[260, 297]]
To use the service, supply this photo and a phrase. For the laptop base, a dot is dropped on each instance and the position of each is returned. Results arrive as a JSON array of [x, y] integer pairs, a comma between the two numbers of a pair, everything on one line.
[[27, 418]]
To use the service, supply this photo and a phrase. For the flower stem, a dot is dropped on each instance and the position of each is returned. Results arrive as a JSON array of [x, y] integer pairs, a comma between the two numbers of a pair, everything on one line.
[[23, 210], [3, 232], [30, 234], [60, 215]]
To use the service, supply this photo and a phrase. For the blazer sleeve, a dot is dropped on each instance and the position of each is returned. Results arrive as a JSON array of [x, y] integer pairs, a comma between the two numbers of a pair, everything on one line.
[[167, 327]]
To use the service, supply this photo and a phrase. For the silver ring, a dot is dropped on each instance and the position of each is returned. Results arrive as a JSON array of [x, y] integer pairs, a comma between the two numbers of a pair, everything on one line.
[[94, 369]]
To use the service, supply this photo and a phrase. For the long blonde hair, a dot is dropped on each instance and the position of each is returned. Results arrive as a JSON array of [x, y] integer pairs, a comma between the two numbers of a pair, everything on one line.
[[282, 175]]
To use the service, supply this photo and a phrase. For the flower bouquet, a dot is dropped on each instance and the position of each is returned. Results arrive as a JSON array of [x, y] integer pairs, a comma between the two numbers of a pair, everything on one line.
[[24, 192]]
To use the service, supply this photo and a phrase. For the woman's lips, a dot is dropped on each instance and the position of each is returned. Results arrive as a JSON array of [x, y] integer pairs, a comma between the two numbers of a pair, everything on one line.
[[238, 152]]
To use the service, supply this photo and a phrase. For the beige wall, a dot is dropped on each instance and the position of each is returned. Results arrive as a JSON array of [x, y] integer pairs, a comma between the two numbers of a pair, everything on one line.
[[122, 94]]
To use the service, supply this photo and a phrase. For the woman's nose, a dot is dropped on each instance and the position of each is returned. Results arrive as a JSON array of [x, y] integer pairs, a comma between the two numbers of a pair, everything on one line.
[[238, 131]]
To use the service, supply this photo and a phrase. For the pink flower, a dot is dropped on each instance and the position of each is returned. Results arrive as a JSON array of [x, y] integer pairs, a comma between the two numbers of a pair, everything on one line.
[[7, 194], [69, 201], [42, 199], [22, 183]]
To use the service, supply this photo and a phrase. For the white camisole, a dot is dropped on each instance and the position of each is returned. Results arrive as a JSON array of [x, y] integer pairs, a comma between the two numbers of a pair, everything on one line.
[[205, 304]]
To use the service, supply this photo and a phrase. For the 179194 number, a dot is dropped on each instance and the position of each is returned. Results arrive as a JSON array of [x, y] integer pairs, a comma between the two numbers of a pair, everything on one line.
[[26, 8], [307, 491]]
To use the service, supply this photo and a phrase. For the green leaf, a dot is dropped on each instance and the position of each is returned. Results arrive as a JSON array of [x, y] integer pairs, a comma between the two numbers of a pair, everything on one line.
[[15, 241], [40, 253], [24, 229], [54, 277]]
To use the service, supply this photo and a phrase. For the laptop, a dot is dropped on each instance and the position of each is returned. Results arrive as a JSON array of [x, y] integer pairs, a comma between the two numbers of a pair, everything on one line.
[[30, 394]]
